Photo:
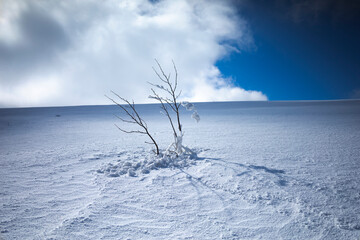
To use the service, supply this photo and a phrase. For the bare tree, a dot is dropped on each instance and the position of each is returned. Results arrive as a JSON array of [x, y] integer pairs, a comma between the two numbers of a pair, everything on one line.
[[134, 118], [169, 102]]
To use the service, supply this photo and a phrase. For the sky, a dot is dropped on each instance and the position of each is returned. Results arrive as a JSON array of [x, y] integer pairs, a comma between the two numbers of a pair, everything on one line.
[[303, 49], [60, 53]]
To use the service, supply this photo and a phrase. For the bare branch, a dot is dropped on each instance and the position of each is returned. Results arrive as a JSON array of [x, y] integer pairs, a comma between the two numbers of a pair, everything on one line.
[[159, 75], [171, 90], [162, 71], [163, 106], [170, 103], [122, 107], [176, 75], [178, 95], [160, 87], [131, 111], [132, 131], [124, 120]]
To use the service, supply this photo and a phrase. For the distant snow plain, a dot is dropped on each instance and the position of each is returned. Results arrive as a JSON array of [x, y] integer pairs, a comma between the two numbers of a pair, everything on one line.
[[264, 170]]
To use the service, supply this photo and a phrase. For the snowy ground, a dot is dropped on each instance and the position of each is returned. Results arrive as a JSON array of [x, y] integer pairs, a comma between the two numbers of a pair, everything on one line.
[[265, 170]]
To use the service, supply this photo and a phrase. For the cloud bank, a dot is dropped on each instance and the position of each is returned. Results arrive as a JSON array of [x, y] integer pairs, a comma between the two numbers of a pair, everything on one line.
[[73, 52]]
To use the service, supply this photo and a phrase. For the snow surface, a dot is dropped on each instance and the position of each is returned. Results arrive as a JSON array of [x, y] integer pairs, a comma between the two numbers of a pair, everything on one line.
[[262, 170]]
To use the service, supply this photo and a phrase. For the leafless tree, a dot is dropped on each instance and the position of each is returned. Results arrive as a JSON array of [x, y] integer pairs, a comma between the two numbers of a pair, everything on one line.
[[134, 118], [169, 101]]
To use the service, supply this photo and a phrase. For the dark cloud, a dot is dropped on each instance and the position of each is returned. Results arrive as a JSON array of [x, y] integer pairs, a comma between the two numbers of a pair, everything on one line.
[[41, 37], [305, 11], [314, 11]]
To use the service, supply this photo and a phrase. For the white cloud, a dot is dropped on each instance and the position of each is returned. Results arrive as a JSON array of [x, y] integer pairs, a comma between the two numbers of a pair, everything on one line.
[[34, 91], [91, 47], [212, 87]]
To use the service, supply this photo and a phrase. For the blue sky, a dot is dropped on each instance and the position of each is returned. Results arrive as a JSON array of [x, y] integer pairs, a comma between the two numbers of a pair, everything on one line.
[[57, 53], [313, 55]]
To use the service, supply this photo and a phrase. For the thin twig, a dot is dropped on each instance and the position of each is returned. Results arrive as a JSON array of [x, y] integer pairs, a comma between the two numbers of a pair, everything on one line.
[[134, 119]]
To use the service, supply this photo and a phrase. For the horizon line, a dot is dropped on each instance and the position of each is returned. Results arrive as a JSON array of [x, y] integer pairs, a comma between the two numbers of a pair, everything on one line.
[[98, 105]]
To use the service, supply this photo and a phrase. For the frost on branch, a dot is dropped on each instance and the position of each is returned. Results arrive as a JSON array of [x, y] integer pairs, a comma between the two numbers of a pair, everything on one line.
[[176, 155], [195, 116], [190, 107], [170, 104]]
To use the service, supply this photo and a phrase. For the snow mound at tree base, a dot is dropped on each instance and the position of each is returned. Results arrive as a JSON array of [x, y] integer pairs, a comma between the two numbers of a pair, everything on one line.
[[142, 162]]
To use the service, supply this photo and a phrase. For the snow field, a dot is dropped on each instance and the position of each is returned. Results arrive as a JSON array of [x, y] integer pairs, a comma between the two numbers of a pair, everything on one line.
[[262, 171]]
